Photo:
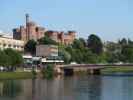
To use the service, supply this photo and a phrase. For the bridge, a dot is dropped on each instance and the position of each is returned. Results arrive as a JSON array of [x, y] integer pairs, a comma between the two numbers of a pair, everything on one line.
[[91, 68]]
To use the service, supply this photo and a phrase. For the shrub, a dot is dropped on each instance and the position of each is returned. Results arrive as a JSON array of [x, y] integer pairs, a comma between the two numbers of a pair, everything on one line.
[[34, 73], [48, 72]]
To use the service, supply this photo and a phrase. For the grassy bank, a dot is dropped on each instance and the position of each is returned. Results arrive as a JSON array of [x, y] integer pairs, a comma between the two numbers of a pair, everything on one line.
[[28, 75], [117, 69], [15, 75]]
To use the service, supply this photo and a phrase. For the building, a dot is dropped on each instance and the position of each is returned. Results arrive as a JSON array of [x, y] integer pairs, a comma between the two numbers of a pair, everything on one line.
[[32, 31], [62, 37], [69, 37], [47, 51], [38, 62], [28, 32], [6, 42]]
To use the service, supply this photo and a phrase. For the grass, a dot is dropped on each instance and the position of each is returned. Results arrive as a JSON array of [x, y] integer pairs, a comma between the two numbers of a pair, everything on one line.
[[118, 69], [15, 75], [29, 75]]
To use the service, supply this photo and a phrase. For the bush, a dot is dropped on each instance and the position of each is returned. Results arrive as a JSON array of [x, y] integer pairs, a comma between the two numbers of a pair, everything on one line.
[[34, 73], [43, 72], [48, 72]]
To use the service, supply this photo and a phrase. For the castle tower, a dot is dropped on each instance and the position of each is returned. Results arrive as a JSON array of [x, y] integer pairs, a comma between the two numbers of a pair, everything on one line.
[[27, 27], [27, 18]]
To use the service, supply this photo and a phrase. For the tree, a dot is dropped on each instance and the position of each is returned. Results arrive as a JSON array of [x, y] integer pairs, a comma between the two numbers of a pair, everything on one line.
[[48, 72], [4, 59], [112, 47], [83, 41], [113, 52], [123, 42], [127, 54], [47, 41], [95, 44], [77, 56], [83, 55], [89, 57], [30, 46], [65, 55], [78, 44], [130, 42], [14, 56], [112, 57]]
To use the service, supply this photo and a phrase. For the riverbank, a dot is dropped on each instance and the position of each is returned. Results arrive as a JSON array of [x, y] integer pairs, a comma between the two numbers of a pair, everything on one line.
[[117, 69], [110, 70], [16, 75], [29, 75]]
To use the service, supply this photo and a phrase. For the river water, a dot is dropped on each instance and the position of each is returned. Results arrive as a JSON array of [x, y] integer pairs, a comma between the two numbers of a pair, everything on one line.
[[69, 88]]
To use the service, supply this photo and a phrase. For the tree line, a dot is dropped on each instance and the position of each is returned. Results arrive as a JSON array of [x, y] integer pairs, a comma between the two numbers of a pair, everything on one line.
[[92, 50]]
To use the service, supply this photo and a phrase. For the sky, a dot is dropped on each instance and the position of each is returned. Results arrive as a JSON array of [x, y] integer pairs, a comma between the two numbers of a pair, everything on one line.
[[109, 19]]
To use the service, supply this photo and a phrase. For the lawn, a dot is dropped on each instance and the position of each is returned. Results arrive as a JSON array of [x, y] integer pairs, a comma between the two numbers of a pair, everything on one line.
[[117, 69], [15, 75]]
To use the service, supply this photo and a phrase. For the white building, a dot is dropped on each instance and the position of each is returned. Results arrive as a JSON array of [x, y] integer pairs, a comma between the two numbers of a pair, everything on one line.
[[8, 42]]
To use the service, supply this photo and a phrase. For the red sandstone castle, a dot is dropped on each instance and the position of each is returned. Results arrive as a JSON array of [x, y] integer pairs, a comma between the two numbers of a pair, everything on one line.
[[33, 31]]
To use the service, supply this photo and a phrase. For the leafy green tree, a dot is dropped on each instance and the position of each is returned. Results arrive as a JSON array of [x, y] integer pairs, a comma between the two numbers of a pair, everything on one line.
[[47, 41], [112, 57], [48, 72], [102, 58], [77, 56], [65, 55], [130, 42], [127, 54], [14, 56], [78, 44], [83, 55], [89, 57], [83, 41], [4, 59], [113, 52], [112, 47], [123, 42], [30, 46], [95, 44], [80, 53]]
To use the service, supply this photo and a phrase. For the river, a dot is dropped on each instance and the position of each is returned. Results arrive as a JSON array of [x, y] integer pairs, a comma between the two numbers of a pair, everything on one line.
[[69, 88]]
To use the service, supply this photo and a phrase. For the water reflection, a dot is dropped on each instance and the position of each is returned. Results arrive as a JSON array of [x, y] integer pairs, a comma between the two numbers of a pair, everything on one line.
[[9, 88], [68, 88], [88, 88], [127, 89]]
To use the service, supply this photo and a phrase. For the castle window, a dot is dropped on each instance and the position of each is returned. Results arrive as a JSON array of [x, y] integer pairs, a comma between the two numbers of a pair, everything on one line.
[[36, 29], [4, 44], [14, 46], [9, 45]]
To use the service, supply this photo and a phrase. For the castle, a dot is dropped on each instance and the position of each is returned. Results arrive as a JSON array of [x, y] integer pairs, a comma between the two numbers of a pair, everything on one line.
[[32, 31]]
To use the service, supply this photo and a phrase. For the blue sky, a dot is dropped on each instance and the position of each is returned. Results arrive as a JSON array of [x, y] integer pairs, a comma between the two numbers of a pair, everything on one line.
[[110, 19]]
